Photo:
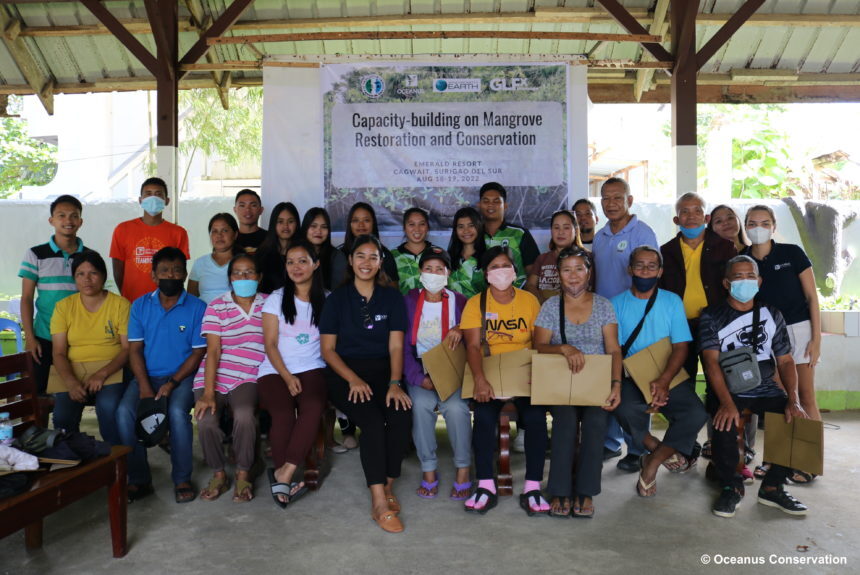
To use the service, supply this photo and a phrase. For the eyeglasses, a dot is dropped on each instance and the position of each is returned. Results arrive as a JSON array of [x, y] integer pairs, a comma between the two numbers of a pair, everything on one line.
[[639, 267], [366, 317], [574, 252], [243, 274]]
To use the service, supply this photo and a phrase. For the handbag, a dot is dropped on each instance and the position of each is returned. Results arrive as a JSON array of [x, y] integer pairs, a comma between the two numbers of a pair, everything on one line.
[[740, 365]]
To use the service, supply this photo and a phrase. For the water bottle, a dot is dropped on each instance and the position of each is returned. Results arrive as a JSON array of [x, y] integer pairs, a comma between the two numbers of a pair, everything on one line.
[[5, 429]]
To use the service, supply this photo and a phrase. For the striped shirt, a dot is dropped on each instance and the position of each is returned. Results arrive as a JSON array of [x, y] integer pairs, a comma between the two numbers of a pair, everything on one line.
[[51, 269], [242, 347]]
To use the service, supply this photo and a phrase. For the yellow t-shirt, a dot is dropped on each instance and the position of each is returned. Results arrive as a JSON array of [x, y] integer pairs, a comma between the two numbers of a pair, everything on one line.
[[92, 336], [694, 294], [509, 326]]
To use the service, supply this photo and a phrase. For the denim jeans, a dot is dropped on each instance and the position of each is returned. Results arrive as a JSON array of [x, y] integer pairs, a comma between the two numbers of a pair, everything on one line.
[[67, 412], [616, 437], [179, 405]]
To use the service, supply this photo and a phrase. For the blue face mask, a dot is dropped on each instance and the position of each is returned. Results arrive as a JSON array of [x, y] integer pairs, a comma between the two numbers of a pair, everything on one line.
[[744, 290], [691, 233], [152, 205], [245, 288], [643, 285]]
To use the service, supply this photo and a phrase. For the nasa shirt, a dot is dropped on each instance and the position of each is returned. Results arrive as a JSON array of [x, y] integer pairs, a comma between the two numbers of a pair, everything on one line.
[[509, 326], [723, 328], [612, 255]]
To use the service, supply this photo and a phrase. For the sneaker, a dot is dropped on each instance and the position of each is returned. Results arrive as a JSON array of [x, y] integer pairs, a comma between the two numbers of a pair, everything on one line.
[[629, 463], [747, 475], [727, 503], [781, 499]]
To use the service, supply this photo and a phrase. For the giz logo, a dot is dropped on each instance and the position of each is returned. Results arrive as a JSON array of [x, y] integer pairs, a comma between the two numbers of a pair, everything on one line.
[[509, 84]]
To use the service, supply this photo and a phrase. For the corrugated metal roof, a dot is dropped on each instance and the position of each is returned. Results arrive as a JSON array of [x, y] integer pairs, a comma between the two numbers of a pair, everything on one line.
[[67, 43]]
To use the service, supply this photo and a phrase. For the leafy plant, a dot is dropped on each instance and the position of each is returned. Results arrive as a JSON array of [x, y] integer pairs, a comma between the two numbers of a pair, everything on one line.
[[24, 161]]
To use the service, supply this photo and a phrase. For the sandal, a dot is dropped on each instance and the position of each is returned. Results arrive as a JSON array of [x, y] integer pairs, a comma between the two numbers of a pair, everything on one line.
[[761, 470], [799, 477], [492, 501], [678, 463], [216, 488], [560, 507], [278, 488], [458, 489], [184, 494], [582, 512], [431, 490], [706, 450], [536, 496], [244, 491]]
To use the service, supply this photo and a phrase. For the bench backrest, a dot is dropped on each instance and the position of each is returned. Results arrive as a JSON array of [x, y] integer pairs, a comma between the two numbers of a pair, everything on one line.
[[18, 395]]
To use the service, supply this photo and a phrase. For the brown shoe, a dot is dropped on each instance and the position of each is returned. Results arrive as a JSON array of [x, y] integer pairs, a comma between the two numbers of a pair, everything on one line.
[[389, 522]]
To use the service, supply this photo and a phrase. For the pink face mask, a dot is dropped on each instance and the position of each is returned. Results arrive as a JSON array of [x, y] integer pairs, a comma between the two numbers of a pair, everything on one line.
[[501, 278]]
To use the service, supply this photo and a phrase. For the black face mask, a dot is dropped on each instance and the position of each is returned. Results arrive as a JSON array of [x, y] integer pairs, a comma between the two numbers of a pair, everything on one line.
[[170, 287], [644, 284]]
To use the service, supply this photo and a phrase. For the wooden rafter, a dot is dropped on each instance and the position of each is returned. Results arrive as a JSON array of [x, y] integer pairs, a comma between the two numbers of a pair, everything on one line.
[[249, 65], [218, 27], [726, 31], [162, 42], [41, 83], [632, 25], [433, 35], [125, 37], [201, 23], [659, 26]]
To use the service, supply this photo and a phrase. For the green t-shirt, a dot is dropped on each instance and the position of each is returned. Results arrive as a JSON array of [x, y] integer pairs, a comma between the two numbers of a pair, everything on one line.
[[407, 267], [468, 279], [521, 243]]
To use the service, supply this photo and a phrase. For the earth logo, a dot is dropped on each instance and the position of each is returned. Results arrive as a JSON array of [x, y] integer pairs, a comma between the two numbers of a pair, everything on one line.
[[372, 85], [441, 85]]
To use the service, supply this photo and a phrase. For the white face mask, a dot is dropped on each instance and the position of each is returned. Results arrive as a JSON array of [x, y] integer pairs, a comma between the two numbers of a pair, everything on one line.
[[759, 235], [434, 283]]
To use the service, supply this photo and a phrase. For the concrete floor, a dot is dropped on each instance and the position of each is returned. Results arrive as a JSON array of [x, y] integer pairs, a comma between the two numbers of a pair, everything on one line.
[[331, 531]]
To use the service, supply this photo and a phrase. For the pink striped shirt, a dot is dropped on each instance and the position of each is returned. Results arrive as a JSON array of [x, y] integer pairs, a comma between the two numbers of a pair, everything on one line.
[[242, 347]]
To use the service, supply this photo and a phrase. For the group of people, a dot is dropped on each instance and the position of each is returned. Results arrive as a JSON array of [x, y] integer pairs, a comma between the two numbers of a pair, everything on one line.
[[284, 321]]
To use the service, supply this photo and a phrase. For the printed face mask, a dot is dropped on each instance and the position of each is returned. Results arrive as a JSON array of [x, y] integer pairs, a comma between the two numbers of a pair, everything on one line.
[[744, 290], [501, 278], [433, 283], [244, 288], [759, 235], [152, 205]]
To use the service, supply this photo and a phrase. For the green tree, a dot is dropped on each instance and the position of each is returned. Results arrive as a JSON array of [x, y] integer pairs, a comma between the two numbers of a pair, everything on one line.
[[24, 161]]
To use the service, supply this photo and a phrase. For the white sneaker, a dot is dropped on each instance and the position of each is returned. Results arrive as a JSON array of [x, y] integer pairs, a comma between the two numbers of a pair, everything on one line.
[[519, 444]]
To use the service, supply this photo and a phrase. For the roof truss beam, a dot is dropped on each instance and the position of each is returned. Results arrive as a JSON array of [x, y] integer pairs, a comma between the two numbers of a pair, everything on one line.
[[726, 31], [122, 34], [42, 84], [218, 27], [632, 25]]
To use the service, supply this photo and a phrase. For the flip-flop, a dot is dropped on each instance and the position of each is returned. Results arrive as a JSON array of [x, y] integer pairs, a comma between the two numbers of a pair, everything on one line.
[[524, 503], [278, 488], [761, 470], [561, 514], [429, 487], [799, 477], [296, 495], [492, 501], [578, 512], [678, 463], [241, 487], [641, 482], [460, 487], [217, 485]]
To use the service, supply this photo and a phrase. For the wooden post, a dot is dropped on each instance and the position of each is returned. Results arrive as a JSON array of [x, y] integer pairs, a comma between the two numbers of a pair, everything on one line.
[[165, 20], [683, 19]]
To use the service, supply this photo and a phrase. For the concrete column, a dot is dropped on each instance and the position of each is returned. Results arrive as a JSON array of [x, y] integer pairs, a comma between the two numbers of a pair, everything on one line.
[[577, 133]]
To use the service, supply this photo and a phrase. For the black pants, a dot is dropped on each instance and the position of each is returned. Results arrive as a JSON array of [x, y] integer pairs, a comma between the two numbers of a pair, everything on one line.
[[43, 369], [724, 444], [484, 436], [385, 431]]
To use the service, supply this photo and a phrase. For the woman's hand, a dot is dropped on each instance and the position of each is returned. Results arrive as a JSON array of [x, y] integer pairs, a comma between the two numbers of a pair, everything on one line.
[[95, 382], [204, 404], [427, 383], [359, 391], [575, 358], [294, 385], [483, 391], [813, 351], [397, 397], [78, 392], [614, 398], [454, 337]]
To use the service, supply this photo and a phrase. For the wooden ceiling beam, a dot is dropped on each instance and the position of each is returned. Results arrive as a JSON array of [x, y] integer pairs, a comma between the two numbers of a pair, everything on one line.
[[632, 25], [659, 26], [40, 82], [122, 34], [218, 27], [249, 65]]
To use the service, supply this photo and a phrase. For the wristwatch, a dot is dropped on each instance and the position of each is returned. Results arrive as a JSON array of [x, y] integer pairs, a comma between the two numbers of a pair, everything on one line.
[[173, 381], [396, 382]]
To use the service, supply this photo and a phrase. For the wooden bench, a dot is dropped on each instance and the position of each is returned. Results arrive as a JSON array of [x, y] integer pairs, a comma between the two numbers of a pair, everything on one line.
[[51, 491], [315, 462]]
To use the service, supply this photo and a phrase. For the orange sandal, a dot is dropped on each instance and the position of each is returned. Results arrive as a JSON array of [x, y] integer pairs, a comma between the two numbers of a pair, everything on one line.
[[389, 523]]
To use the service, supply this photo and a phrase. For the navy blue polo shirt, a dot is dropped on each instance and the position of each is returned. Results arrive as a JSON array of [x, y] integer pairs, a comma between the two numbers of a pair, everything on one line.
[[168, 336], [362, 326], [780, 280]]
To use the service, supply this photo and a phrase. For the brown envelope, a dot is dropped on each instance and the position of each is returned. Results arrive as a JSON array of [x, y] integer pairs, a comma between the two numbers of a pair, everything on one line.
[[509, 374], [648, 364], [554, 384], [796, 445], [82, 369], [445, 367]]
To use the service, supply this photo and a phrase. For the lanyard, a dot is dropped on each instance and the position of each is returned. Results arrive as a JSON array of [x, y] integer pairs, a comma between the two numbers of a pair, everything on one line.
[[416, 320]]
